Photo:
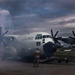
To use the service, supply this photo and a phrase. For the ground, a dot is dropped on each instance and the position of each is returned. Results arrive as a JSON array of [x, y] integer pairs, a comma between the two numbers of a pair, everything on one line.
[[22, 68]]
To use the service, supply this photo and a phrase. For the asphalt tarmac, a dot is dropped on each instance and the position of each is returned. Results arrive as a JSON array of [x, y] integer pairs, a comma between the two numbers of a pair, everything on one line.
[[22, 68]]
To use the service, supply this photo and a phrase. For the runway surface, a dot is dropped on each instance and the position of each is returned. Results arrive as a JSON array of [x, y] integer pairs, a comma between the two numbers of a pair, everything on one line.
[[22, 68]]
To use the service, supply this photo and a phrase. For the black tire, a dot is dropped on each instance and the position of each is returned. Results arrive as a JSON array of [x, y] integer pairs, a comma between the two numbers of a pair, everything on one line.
[[66, 60], [59, 61]]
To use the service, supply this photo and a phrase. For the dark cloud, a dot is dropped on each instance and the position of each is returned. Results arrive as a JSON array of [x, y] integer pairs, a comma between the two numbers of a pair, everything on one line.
[[45, 8], [65, 4], [35, 14], [66, 22]]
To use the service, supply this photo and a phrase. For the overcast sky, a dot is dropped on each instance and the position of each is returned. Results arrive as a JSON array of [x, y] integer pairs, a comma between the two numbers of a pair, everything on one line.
[[39, 15]]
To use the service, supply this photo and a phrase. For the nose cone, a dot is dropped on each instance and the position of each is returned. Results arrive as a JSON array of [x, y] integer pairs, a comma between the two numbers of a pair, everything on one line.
[[49, 48]]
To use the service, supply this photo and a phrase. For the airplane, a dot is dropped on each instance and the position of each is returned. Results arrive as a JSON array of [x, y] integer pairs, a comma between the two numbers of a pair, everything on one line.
[[24, 45]]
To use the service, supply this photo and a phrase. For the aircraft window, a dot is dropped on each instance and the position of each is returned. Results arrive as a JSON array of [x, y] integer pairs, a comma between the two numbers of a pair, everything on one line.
[[39, 36], [46, 36], [38, 43], [43, 41]]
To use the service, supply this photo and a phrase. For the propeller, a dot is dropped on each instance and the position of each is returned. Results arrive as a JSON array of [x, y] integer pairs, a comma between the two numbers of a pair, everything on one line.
[[2, 36], [73, 35], [54, 37]]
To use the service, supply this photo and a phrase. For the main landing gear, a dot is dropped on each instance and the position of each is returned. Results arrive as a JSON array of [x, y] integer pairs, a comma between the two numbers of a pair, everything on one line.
[[65, 59]]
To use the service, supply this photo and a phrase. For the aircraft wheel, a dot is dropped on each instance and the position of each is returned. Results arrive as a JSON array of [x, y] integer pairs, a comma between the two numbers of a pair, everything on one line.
[[59, 61], [66, 60]]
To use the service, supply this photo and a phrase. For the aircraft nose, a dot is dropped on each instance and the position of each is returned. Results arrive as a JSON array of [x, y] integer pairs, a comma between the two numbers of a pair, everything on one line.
[[49, 48]]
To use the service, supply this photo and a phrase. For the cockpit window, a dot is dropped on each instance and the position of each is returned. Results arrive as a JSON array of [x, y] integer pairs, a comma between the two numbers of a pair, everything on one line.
[[46, 36], [39, 36]]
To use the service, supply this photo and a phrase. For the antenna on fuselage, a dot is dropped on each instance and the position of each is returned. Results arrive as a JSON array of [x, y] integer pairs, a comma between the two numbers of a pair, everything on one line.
[[27, 32]]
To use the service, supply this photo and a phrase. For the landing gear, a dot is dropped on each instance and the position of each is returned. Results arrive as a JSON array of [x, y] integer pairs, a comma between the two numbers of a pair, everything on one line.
[[66, 60], [59, 61], [63, 59]]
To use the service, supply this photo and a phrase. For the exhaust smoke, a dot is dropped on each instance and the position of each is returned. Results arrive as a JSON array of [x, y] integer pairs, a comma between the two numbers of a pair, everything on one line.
[[6, 24]]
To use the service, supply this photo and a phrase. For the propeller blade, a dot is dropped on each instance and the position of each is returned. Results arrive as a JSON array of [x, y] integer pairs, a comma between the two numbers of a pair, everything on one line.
[[56, 34], [5, 33], [71, 37], [4, 43], [73, 33], [54, 37], [51, 32], [2, 36], [0, 30]]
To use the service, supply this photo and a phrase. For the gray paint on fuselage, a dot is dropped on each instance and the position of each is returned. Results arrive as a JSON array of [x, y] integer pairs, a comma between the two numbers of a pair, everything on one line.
[[26, 44]]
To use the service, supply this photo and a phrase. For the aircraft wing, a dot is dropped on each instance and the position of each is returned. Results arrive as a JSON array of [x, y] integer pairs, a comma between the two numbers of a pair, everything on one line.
[[66, 40]]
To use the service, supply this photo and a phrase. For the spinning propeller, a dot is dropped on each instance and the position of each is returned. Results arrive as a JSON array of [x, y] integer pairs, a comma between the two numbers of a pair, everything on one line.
[[2, 38]]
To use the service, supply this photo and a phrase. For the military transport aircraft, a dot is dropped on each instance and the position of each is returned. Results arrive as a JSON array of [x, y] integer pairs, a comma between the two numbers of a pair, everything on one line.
[[25, 45]]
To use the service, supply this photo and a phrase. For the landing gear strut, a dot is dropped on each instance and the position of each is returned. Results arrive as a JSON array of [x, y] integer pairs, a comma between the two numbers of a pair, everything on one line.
[[59, 61], [66, 60]]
